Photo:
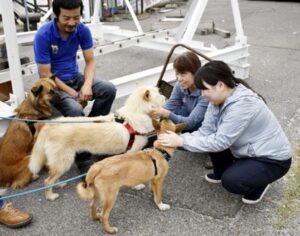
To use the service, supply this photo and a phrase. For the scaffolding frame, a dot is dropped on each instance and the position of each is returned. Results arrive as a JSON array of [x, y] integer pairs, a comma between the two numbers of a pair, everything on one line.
[[113, 38]]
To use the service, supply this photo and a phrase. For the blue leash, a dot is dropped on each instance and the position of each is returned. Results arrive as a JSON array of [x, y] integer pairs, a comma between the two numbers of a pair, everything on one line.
[[46, 121], [42, 188]]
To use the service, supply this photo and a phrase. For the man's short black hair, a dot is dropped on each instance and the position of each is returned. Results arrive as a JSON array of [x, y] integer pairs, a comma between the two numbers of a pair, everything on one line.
[[66, 4]]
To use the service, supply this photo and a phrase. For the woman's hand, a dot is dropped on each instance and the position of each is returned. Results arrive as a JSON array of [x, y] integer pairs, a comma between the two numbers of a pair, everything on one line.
[[159, 112], [170, 139]]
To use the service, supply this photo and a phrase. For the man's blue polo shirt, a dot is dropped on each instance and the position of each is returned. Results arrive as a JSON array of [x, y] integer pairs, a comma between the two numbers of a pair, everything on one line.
[[51, 48]]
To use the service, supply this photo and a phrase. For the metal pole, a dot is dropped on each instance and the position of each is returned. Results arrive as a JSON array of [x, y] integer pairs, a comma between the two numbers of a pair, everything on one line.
[[26, 13], [97, 6], [35, 6], [137, 24], [86, 11], [46, 16], [49, 4], [240, 37], [137, 7], [9, 27], [188, 27]]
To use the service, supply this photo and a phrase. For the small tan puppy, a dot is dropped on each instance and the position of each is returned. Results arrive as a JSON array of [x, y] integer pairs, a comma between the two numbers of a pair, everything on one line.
[[106, 177]]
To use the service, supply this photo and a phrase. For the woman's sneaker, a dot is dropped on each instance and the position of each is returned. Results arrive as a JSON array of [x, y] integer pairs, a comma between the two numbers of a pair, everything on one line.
[[212, 178], [256, 196]]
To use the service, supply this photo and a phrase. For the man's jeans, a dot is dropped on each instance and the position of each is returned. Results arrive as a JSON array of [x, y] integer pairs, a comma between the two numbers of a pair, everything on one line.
[[104, 93]]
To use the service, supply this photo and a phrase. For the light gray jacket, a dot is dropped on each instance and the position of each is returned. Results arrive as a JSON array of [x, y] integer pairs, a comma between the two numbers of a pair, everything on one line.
[[244, 124]]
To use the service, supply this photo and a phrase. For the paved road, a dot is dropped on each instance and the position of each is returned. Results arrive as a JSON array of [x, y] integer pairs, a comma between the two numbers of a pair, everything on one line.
[[197, 207]]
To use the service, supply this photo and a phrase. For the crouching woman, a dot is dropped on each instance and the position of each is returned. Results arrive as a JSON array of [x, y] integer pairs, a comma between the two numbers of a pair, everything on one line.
[[246, 143]]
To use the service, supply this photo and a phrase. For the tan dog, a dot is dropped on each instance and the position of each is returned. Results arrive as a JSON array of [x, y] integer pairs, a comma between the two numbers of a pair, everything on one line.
[[106, 177], [57, 144], [17, 142]]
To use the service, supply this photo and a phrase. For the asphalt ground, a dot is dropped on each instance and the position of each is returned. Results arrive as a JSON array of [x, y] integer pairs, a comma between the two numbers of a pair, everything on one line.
[[198, 207]]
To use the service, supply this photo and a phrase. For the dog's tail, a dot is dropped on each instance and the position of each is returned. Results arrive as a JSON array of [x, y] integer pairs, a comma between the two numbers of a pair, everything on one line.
[[38, 157], [85, 192]]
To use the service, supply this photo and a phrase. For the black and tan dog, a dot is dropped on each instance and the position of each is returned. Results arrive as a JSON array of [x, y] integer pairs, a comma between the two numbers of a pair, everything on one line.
[[106, 177], [17, 142]]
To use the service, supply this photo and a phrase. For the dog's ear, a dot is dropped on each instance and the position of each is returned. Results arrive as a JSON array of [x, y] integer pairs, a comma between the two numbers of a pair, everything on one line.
[[37, 90], [156, 124], [53, 76], [180, 127], [146, 96]]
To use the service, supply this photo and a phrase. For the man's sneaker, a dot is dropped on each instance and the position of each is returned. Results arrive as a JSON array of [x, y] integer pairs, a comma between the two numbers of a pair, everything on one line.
[[212, 178], [13, 217], [256, 196]]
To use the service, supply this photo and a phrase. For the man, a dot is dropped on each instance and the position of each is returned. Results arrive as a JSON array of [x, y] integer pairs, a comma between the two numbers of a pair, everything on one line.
[[55, 47]]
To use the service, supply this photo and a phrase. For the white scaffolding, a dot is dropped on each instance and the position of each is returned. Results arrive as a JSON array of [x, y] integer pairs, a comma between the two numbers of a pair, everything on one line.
[[116, 38]]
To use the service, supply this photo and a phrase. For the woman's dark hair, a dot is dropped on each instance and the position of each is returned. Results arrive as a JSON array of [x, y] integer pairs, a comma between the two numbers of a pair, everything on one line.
[[215, 71], [66, 4], [187, 62]]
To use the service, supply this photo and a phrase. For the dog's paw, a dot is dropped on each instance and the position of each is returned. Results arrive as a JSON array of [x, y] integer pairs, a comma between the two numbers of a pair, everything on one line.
[[139, 187], [163, 207], [97, 216], [112, 230], [52, 197], [35, 177]]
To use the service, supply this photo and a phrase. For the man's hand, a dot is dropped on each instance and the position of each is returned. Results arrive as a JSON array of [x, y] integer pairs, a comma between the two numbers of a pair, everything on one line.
[[73, 93], [86, 93], [170, 139]]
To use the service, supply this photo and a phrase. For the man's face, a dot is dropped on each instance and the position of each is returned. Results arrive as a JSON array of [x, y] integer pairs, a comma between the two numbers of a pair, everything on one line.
[[68, 20]]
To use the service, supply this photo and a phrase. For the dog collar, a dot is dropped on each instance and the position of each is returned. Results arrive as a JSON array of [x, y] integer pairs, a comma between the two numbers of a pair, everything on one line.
[[153, 160], [165, 154], [155, 166]]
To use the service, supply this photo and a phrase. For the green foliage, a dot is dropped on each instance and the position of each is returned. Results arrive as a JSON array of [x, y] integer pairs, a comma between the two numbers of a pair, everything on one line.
[[289, 206]]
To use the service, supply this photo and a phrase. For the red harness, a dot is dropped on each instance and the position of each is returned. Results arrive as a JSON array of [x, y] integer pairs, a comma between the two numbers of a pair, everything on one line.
[[132, 134], [131, 131]]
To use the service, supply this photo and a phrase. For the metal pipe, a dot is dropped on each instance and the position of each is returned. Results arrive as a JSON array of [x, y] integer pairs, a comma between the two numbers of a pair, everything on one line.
[[133, 15], [191, 21], [9, 27], [240, 37], [26, 13], [35, 6]]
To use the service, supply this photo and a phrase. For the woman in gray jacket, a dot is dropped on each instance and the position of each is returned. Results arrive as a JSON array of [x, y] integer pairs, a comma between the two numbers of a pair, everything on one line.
[[246, 143]]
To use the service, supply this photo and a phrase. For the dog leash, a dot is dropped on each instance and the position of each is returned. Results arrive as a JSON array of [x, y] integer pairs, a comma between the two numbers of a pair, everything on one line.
[[49, 121], [42, 188]]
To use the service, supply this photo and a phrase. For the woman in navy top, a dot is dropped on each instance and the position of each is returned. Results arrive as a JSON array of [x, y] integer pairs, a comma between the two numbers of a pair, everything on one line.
[[186, 103]]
